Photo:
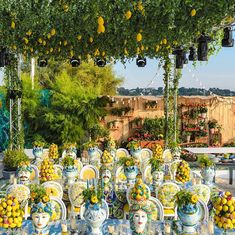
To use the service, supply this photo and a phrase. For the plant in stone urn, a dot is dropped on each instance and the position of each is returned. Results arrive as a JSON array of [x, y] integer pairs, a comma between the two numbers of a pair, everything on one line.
[[41, 209], [96, 210], [140, 210], [207, 169], [70, 170], [38, 149], [130, 169], [156, 171], [70, 149], [188, 210], [23, 173], [92, 149], [134, 148]]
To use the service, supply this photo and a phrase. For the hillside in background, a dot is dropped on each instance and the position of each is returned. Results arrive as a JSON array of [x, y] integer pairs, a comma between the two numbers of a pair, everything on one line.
[[182, 91]]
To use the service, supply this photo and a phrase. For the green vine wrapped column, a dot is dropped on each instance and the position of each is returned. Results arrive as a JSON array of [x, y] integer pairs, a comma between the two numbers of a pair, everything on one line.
[[167, 73], [177, 76]]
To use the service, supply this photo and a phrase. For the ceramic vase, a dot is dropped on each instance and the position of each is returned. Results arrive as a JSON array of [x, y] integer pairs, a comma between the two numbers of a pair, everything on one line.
[[190, 216], [208, 174], [95, 215], [131, 172], [136, 153], [70, 173], [37, 152]]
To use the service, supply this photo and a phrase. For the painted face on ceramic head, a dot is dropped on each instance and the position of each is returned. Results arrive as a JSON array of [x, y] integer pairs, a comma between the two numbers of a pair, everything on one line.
[[23, 176], [140, 219], [95, 215], [40, 220], [106, 176], [157, 175]]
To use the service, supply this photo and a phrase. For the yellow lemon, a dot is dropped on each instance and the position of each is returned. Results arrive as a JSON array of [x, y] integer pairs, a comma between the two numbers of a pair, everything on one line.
[[193, 12], [12, 225], [40, 40], [227, 193], [44, 43], [29, 33], [128, 15], [1, 219], [224, 201], [100, 20], [53, 32], [231, 209], [225, 208], [101, 29], [9, 208], [66, 8], [79, 37], [139, 37], [26, 41], [229, 203], [13, 25], [48, 35], [90, 39], [4, 205], [164, 41], [19, 225], [5, 225]]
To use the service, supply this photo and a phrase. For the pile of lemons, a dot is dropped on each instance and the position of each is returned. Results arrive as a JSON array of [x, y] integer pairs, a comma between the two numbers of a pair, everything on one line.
[[158, 152], [106, 157], [53, 151], [224, 206], [11, 214], [139, 191], [182, 172], [46, 171]]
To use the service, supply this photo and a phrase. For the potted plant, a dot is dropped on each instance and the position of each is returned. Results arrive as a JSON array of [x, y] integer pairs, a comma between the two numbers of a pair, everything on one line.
[[212, 124], [70, 149], [130, 169], [70, 170], [134, 148], [95, 211], [201, 125], [156, 171], [203, 111], [11, 161], [91, 147], [38, 149], [207, 169], [188, 136], [188, 210]]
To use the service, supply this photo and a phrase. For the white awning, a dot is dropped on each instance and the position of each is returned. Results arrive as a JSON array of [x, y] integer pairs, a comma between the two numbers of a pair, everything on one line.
[[212, 150]]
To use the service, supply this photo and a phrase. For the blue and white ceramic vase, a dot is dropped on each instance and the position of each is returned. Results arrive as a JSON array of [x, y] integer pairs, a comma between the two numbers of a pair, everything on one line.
[[136, 153], [37, 152], [70, 173], [131, 172], [208, 174], [190, 216]]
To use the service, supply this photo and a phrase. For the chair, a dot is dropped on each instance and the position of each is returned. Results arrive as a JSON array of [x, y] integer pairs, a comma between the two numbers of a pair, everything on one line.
[[166, 195], [89, 172], [75, 196], [146, 154], [120, 177], [202, 191], [58, 169], [147, 176], [157, 209], [34, 176], [121, 152], [58, 209], [53, 189]]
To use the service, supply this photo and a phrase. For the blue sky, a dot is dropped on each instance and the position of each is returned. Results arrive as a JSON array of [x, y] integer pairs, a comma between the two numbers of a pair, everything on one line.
[[218, 72]]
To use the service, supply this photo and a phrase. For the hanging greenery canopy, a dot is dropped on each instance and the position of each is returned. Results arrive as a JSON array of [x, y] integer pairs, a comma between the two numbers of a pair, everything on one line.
[[117, 29]]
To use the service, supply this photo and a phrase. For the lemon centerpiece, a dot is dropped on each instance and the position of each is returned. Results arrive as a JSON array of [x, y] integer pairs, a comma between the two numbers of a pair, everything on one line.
[[53, 151], [46, 171], [182, 174]]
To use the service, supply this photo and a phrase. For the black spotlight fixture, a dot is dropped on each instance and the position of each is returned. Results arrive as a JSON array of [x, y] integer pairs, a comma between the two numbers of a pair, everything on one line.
[[100, 62], [75, 62], [141, 61], [202, 50], [42, 62], [228, 40], [192, 53], [181, 57]]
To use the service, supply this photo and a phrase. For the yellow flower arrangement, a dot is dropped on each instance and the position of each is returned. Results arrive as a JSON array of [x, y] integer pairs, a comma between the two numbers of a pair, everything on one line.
[[94, 199]]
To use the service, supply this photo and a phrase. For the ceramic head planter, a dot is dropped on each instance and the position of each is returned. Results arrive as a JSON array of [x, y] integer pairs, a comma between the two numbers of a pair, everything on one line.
[[41, 209], [23, 173], [135, 149], [156, 171], [38, 149], [95, 211], [41, 214], [106, 176], [70, 171], [70, 150], [140, 210]]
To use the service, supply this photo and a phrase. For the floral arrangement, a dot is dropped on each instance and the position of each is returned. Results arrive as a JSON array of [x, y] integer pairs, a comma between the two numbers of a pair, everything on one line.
[[38, 144], [106, 157], [205, 161], [11, 215], [224, 208], [38, 194], [68, 161], [92, 196], [127, 161], [90, 144], [185, 197], [68, 146], [157, 151], [53, 151], [140, 192], [133, 145], [109, 143]]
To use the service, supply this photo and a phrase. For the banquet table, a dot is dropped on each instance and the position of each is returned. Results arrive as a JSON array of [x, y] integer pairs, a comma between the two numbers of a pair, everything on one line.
[[119, 227]]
